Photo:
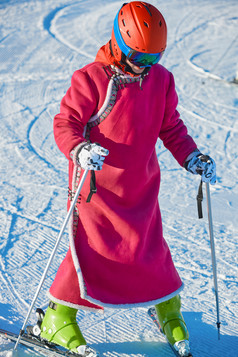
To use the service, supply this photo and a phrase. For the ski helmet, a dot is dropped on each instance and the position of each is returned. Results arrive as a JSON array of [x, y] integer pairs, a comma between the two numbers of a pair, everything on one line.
[[139, 33]]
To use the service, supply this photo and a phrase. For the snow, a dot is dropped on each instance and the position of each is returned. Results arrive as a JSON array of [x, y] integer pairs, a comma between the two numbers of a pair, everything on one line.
[[42, 42]]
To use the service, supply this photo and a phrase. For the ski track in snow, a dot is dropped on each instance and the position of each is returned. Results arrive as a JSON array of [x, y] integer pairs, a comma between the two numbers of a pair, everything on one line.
[[42, 43]]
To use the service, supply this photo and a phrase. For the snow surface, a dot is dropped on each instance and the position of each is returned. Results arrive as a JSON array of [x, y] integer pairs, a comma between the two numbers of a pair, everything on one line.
[[42, 42]]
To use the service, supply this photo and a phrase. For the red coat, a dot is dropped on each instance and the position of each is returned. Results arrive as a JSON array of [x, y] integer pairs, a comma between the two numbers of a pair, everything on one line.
[[118, 256]]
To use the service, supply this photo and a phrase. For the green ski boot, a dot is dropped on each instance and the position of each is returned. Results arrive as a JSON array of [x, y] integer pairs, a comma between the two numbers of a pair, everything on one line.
[[173, 325], [59, 326]]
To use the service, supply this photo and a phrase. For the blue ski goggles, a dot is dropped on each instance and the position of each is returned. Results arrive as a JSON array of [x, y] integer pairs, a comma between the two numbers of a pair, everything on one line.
[[139, 59]]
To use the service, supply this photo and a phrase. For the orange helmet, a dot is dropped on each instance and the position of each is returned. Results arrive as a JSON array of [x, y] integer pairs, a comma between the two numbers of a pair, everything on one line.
[[140, 33]]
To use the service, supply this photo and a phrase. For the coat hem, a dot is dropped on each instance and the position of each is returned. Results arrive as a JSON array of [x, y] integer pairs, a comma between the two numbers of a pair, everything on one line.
[[114, 306], [74, 306], [138, 304]]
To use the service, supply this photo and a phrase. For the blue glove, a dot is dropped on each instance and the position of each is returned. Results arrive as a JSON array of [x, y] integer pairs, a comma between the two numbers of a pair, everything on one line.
[[204, 165]]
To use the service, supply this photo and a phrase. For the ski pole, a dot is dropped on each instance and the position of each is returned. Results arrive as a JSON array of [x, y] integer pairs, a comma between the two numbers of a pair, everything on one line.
[[52, 254], [214, 266]]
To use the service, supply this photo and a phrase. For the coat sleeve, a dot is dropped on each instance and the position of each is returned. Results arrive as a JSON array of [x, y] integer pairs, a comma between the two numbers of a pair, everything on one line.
[[173, 131], [77, 106]]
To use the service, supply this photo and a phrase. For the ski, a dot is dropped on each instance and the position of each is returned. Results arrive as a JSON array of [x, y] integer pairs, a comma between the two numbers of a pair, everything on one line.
[[152, 314], [35, 344]]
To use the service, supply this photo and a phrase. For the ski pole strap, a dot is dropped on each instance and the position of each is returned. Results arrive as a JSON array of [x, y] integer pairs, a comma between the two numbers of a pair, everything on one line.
[[199, 200], [93, 188]]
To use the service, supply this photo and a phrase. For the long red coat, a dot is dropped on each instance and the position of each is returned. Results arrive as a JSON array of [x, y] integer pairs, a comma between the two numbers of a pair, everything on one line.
[[118, 256]]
